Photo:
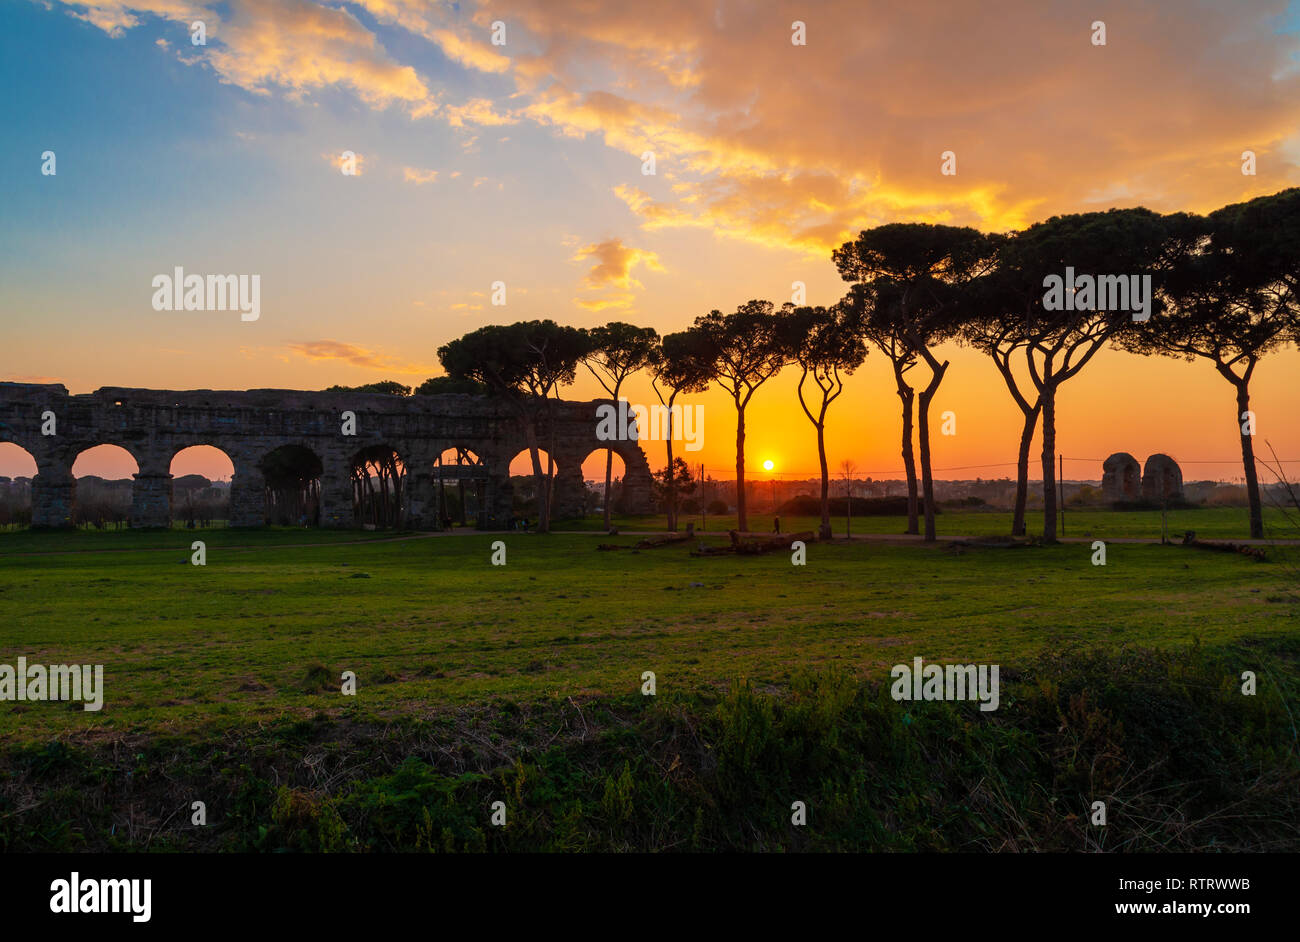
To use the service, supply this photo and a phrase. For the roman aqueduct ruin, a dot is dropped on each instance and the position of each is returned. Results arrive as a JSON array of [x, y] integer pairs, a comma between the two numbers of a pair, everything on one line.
[[154, 424]]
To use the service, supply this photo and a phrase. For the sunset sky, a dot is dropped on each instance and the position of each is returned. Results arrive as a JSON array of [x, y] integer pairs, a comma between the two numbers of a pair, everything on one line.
[[522, 163]]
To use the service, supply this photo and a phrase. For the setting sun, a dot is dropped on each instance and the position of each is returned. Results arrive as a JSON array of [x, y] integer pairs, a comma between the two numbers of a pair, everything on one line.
[[769, 464]]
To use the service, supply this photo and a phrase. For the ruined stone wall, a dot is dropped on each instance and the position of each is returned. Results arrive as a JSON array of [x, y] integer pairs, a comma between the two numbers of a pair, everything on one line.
[[154, 424], [1121, 477], [1162, 478]]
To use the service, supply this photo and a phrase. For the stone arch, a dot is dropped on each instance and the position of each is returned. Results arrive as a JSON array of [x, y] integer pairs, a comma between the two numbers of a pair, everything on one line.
[[521, 462], [192, 503], [462, 486], [206, 449], [291, 475], [523, 483], [107, 451], [16, 460], [1121, 477], [381, 505], [636, 490], [154, 424], [18, 469], [1161, 478], [593, 479], [100, 500]]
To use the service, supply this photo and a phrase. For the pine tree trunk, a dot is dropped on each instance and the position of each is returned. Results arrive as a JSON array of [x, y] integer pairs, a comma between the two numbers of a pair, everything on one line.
[[825, 533], [909, 460], [609, 476], [927, 478], [1049, 463], [742, 517], [1022, 470], [672, 483], [1248, 463]]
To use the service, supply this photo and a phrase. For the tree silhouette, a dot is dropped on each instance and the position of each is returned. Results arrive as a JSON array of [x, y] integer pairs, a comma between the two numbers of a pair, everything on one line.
[[827, 344], [912, 274], [616, 351], [1060, 340], [682, 363], [387, 387], [1233, 297], [674, 482], [524, 363], [443, 385], [997, 326], [745, 353]]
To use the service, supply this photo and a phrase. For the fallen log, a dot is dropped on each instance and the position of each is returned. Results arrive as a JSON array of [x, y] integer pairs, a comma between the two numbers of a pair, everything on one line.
[[651, 542], [712, 551], [750, 544], [1254, 552]]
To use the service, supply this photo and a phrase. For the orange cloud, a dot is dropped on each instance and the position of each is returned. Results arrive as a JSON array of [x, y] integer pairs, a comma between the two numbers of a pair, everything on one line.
[[430, 21], [800, 146], [419, 177], [477, 111], [337, 160], [354, 356], [613, 267], [31, 378], [476, 55], [295, 45], [116, 16], [614, 263], [299, 46]]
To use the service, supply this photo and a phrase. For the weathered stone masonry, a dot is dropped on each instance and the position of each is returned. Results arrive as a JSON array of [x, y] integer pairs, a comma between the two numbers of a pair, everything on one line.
[[154, 424]]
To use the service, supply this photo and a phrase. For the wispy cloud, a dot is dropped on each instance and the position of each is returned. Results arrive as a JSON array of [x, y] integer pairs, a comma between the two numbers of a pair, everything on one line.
[[798, 146], [294, 46], [477, 111], [614, 262], [611, 275], [355, 356], [418, 176], [340, 158]]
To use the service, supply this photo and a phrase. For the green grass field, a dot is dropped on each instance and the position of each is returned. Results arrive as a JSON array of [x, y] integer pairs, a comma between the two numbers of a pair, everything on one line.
[[1216, 523], [207, 662]]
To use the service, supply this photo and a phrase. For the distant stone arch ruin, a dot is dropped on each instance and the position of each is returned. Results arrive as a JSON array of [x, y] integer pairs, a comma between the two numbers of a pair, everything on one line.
[[1121, 477], [1161, 478], [154, 424]]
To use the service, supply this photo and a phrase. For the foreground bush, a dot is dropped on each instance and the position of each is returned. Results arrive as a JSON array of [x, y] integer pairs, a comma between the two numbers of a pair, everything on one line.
[[1181, 758]]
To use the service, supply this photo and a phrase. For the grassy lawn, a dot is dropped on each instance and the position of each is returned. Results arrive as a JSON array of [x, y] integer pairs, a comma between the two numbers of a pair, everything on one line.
[[429, 623], [20, 542], [522, 683], [1218, 523]]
